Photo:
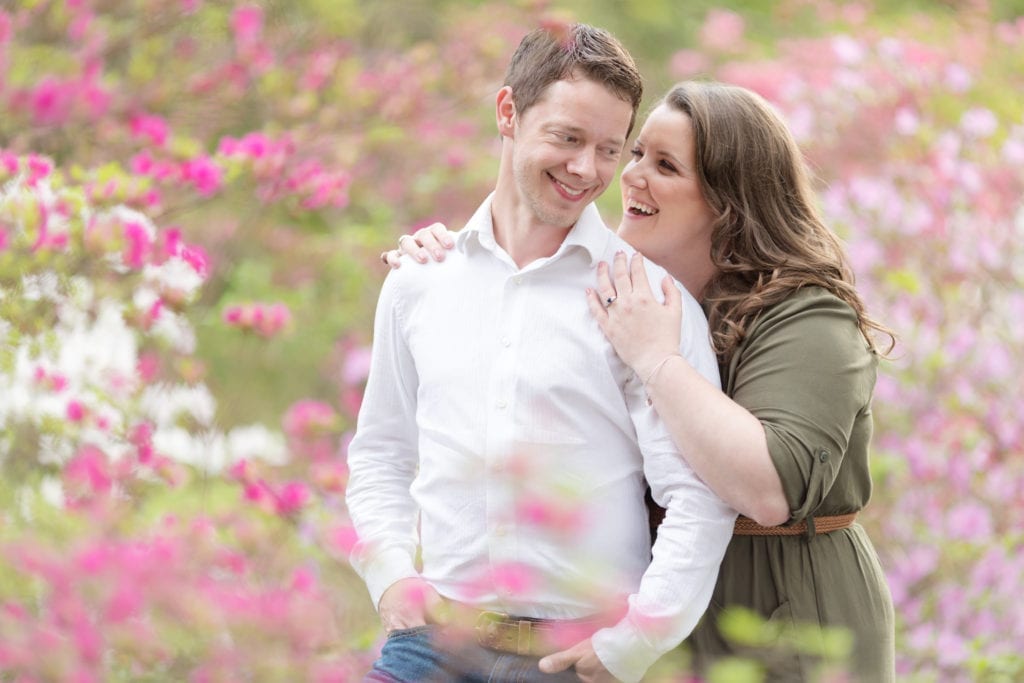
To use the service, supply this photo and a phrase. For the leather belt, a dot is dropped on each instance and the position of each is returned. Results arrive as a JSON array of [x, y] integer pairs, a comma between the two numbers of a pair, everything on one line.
[[526, 636], [811, 526]]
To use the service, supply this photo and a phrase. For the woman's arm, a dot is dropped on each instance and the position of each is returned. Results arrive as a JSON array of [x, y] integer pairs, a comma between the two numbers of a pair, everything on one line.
[[722, 441]]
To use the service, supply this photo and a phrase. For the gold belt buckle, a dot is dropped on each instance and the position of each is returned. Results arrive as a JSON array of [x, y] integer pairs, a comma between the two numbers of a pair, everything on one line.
[[487, 627]]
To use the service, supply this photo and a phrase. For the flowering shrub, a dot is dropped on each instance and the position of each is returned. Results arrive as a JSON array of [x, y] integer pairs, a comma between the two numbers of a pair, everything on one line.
[[921, 149], [192, 197]]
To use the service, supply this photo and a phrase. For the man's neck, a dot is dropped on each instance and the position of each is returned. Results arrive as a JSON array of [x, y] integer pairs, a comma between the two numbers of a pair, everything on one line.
[[524, 239]]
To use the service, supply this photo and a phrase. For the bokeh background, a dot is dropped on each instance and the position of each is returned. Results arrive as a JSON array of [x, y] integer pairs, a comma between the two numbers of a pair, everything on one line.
[[193, 195]]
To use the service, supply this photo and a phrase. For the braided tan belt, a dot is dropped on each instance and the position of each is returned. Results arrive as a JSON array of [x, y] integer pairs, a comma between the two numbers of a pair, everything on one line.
[[818, 525]]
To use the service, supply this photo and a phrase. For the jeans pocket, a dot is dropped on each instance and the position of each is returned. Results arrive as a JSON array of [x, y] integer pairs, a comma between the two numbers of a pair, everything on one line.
[[411, 631]]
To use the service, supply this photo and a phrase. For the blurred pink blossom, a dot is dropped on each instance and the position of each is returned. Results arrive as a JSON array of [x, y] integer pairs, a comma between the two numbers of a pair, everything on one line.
[[969, 521], [153, 128], [75, 411], [687, 63], [247, 23], [979, 122], [309, 418], [723, 31]]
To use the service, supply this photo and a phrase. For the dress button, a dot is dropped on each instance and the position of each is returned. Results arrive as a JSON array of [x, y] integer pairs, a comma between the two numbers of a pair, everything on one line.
[[502, 405], [518, 280], [823, 455], [506, 342]]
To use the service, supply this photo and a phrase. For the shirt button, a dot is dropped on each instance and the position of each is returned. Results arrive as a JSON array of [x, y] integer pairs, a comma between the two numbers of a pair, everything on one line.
[[518, 280], [506, 342], [823, 455], [502, 404]]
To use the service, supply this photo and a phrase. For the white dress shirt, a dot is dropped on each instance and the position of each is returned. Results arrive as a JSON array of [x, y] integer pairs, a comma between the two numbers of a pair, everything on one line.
[[502, 436]]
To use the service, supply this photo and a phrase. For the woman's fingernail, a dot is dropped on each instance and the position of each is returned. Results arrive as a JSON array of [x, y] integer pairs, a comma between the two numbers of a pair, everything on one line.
[[437, 254]]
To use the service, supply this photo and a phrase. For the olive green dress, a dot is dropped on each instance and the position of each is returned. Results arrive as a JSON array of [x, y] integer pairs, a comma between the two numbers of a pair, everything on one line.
[[805, 371]]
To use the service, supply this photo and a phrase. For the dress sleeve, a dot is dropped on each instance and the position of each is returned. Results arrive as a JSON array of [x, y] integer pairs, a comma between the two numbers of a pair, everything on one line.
[[806, 372]]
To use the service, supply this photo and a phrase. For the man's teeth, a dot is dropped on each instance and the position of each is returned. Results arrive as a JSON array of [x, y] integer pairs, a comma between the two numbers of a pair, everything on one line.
[[568, 190], [641, 207]]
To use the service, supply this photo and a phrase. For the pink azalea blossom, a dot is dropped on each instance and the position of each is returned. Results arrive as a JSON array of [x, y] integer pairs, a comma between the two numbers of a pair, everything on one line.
[[204, 174], [138, 244], [152, 128], [75, 411], [969, 521], [723, 31], [5, 27], [345, 538], [247, 23], [291, 498], [686, 63], [309, 418]]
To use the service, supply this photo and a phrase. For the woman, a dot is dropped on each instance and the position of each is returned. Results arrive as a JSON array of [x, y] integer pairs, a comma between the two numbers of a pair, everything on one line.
[[717, 194]]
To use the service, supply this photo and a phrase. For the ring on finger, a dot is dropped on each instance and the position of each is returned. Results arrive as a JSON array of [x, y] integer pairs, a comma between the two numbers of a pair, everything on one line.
[[610, 300]]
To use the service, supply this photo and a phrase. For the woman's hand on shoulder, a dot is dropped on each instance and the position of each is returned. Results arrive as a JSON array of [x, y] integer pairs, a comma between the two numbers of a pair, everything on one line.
[[431, 241], [643, 330]]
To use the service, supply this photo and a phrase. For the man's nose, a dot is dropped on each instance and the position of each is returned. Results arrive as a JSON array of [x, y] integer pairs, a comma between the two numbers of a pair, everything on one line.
[[583, 164]]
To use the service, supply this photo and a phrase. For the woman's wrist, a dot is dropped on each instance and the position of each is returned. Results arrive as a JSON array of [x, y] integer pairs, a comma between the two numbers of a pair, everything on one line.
[[650, 371]]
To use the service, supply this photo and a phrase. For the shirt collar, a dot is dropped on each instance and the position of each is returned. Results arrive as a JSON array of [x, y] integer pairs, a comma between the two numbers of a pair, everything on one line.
[[590, 233]]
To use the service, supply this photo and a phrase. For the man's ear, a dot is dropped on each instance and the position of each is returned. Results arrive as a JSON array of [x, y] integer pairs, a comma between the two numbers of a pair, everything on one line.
[[505, 111]]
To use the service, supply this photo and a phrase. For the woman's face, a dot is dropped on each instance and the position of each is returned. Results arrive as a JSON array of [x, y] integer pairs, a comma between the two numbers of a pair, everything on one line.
[[665, 216]]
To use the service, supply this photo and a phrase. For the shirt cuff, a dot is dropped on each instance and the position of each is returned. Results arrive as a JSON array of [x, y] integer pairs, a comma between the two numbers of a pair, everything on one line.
[[387, 568], [624, 651]]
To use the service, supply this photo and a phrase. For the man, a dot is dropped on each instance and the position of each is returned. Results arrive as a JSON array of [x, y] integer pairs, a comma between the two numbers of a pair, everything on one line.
[[493, 399]]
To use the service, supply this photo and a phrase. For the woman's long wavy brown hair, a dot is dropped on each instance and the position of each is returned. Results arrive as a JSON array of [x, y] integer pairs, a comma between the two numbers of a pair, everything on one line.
[[768, 239]]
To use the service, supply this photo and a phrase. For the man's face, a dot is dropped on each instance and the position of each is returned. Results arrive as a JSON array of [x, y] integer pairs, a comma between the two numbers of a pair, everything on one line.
[[566, 149]]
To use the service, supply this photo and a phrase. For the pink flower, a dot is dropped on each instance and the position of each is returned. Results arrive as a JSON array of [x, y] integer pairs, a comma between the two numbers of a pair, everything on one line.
[[308, 418], [232, 315], [722, 31], [138, 244], [5, 239], [303, 580], [196, 257], [204, 174], [5, 27], [75, 411], [38, 168], [51, 101], [345, 539], [88, 472], [291, 498], [247, 23], [148, 366], [686, 63], [154, 128], [979, 122], [969, 521]]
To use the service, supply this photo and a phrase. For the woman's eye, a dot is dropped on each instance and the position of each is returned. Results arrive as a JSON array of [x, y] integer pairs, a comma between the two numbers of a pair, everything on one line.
[[636, 152], [668, 167]]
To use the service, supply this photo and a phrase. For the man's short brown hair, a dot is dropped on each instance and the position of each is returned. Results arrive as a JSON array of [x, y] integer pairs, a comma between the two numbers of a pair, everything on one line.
[[552, 54]]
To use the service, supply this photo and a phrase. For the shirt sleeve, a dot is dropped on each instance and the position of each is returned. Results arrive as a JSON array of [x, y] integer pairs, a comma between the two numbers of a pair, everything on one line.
[[676, 588], [383, 456], [806, 373], [695, 339]]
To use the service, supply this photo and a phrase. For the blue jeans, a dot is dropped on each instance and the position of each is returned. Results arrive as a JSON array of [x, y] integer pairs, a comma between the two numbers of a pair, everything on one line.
[[422, 655]]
